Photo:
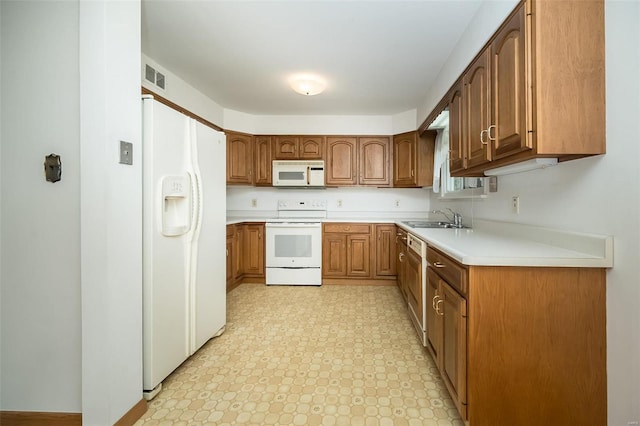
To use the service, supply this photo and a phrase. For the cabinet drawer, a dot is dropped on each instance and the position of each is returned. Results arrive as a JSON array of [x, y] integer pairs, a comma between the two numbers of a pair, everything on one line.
[[352, 228], [450, 270]]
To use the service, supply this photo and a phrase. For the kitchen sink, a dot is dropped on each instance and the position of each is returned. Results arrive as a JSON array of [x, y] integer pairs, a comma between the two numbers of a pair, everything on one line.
[[428, 224]]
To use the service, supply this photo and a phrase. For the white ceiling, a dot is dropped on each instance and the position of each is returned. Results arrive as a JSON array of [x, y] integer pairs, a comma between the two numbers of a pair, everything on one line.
[[378, 57]]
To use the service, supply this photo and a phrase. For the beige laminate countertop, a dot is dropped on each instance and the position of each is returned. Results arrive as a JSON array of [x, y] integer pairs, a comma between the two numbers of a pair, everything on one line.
[[493, 243]]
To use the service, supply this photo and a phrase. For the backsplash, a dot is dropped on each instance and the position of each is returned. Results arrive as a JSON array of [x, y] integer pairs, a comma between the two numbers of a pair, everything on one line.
[[341, 202]]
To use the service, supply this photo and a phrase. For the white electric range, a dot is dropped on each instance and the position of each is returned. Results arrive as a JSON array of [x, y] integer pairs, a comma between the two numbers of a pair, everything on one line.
[[294, 243]]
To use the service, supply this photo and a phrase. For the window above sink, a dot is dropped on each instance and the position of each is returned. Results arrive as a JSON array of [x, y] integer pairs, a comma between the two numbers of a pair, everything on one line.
[[443, 183]]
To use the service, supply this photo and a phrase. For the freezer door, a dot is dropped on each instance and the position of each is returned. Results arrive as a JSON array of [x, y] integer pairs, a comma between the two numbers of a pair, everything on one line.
[[165, 268]]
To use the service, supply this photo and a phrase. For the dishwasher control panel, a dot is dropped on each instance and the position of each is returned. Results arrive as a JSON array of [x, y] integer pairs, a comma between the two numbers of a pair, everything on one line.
[[417, 245]]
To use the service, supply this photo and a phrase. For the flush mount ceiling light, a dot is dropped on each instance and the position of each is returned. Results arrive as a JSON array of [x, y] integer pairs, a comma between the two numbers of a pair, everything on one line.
[[307, 85]]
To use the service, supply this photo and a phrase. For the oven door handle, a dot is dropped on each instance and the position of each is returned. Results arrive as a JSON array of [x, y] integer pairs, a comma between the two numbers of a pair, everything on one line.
[[293, 225]]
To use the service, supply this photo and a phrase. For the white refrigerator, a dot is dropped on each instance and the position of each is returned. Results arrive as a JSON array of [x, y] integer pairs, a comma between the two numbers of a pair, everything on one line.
[[184, 239]]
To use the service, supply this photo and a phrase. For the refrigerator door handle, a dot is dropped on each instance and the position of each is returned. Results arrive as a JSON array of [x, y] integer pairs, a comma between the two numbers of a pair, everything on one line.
[[196, 179], [196, 204]]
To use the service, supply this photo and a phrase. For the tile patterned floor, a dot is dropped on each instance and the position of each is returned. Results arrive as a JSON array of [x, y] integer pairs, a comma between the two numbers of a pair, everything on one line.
[[329, 355]]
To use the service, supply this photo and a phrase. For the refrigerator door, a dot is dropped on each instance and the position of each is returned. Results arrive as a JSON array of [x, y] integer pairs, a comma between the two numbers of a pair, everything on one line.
[[208, 289], [165, 258]]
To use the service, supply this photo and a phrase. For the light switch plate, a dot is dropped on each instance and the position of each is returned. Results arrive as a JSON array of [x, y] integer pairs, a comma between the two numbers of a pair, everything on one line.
[[126, 153]]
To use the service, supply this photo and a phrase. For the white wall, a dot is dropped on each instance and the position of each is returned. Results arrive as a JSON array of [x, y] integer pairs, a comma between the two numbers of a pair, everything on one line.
[[183, 94], [41, 317], [485, 22], [1, 134], [311, 124], [71, 250], [598, 195], [111, 208]]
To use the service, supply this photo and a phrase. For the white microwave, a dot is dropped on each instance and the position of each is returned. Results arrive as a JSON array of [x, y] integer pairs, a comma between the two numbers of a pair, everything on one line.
[[309, 173]]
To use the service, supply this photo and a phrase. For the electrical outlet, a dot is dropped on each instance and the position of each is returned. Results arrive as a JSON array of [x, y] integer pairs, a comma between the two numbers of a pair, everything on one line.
[[254, 202], [397, 203], [515, 204], [339, 203]]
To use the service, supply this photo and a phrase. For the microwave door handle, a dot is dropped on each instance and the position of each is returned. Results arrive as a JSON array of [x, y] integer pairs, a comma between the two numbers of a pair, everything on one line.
[[308, 175]]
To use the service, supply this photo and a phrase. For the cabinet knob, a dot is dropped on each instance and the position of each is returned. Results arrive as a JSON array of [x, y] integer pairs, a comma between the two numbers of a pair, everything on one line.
[[438, 308], [400, 257], [439, 265]]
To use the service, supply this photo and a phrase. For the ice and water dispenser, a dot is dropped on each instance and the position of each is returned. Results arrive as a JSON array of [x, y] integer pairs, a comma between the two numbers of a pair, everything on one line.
[[176, 205]]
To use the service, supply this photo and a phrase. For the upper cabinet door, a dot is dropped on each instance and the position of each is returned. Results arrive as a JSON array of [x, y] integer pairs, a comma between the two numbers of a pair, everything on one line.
[[374, 161], [262, 168], [508, 102], [456, 129], [341, 161], [311, 147], [476, 97], [404, 159], [286, 147], [239, 158], [298, 147]]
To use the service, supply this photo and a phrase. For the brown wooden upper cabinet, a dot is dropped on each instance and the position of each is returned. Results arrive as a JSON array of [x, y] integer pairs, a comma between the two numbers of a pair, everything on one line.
[[413, 159], [298, 147], [341, 161], [239, 158], [537, 89], [457, 149], [374, 161], [477, 98], [262, 161], [358, 161]]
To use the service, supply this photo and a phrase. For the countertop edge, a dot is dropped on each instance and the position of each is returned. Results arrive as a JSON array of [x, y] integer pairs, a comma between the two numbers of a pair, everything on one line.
[[598, 248]]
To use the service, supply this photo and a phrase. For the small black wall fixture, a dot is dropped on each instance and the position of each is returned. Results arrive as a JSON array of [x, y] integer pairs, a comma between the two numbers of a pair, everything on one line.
[[52, 168]]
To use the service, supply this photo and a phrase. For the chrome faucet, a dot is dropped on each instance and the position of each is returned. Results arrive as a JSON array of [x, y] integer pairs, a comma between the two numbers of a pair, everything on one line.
[[456, 220]]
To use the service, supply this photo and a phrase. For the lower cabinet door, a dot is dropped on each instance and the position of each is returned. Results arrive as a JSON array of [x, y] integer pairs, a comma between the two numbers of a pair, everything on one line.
[[253, 261], [454, 345], [334, 256], [359, 256], [434, 321], [230, 260]]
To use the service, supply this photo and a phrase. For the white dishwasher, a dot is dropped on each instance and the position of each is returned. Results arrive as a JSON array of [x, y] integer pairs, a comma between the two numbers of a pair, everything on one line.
[[416, 284]]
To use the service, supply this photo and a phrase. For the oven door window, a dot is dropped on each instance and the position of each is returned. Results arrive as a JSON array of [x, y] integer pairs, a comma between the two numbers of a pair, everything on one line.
[[293, 245]]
